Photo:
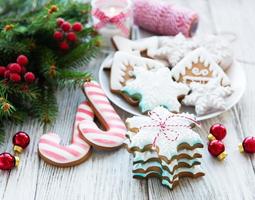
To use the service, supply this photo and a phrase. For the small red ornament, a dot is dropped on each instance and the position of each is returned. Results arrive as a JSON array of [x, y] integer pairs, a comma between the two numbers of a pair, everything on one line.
[[217, 149], [23, 70], [15, 77], [15, 68], [58, 35], [64, 46], [21, 141], [217, 132], [77, 27], [22, 60], [8, 161], [60, 21], [2, 70], [71, 36], [29, 77], [248, 145], [66, 26]]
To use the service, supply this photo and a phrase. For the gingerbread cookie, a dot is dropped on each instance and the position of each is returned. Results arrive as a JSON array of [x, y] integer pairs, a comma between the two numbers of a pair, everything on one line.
[[155, 88], [208, 97], [199, 66], [77, 152], [172, 49], [164, 131], [115, 129], [169, 180], [141, 45], [219, 48]]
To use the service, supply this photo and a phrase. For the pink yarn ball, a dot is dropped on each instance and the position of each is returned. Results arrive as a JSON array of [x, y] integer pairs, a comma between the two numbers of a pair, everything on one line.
[[165, 19]]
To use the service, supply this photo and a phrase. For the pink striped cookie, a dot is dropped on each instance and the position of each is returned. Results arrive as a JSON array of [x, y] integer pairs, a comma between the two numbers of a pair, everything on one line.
[[114, 131], [51, 151]]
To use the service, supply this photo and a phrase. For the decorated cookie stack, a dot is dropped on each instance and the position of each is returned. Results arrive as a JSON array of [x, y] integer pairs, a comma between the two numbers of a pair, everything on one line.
[[164, 146], [172, 72]]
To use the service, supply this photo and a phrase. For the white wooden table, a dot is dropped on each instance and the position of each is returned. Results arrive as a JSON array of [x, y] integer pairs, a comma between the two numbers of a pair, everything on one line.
[[108, 175]]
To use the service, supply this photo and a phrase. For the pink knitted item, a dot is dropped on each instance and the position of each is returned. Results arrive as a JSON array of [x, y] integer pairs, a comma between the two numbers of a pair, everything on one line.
[[165, 19]]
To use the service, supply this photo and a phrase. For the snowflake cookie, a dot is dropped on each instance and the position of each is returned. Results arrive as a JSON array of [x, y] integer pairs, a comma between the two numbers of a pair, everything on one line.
[[199, 66], [164, 132], [155, 88], [208, 97], [173, 49]]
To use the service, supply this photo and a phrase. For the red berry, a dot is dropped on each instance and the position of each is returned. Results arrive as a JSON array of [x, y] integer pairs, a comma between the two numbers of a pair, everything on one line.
[[58, 35], [66, 26], [22, 60], [2, 70], [15, 77], [60, 21], [7, 74], [77, 27], [29, 77], [249, 144], [218, 131], [71, 36], [7, 161], [64, 46], [21, 139], [15, 68], [216, 147]]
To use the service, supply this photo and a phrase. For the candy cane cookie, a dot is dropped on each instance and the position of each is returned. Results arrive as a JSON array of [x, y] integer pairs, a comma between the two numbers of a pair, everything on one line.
[[51, 151], [115, 130]]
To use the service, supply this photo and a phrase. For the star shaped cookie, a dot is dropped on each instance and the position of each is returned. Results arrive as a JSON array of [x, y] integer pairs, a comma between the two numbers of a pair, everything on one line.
[[155, 88], [208, 97]]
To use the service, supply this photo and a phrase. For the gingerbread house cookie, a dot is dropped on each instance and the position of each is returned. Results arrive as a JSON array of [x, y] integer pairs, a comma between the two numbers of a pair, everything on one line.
[[199, 66]]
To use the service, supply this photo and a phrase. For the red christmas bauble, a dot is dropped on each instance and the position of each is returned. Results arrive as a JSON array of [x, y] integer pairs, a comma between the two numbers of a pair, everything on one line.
[[23, 70], [2, 70], [22, 60], [77, 27], [71, 36], [7, 161], [15, 68], [218, 131], [60, 21], [216, 148], [66, 26], [58, 35], [21, 139], [29, 77], [15, 77], [249, 144], [64, 46]]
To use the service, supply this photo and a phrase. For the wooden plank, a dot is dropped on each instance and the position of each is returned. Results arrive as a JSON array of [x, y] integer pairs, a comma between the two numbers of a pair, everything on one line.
[[233, 178], [106, 175]]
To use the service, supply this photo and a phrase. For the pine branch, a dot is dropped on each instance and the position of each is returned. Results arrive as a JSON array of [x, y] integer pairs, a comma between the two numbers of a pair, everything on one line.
[[74, 79]]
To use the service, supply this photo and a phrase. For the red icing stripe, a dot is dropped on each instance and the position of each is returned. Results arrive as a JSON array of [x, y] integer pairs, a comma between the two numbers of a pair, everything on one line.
[[89, 84], [96, 131], [81, 110], [53, 155], [95, 93], [109, 110], [104, 141], [101, 102], [54, 144]]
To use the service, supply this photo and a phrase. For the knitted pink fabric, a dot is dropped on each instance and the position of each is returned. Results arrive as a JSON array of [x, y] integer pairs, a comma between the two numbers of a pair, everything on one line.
[[165, 19]]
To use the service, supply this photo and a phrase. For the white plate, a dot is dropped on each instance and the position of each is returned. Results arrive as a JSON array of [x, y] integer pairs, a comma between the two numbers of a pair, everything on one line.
[[235, 73]]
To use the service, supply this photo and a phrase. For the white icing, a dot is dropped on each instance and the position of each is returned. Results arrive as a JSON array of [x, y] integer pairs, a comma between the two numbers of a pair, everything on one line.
[[156, 88], [172, 49], [195, 56], [166, 139], [119, 65], [208, 97], [124, 44]]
